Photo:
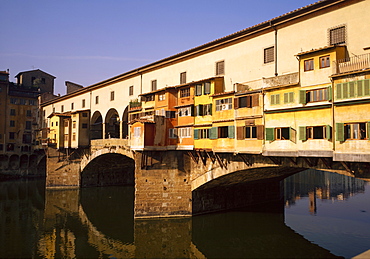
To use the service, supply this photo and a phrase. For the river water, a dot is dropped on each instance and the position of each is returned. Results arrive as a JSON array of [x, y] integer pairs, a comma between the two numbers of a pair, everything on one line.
[[325, 215]]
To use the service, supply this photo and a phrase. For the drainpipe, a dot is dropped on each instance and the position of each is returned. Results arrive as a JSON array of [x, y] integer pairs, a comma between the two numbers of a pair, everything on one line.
[[333, 115]]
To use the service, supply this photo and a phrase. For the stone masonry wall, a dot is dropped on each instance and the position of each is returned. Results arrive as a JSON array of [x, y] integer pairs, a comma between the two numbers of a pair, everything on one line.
[[162, 187]]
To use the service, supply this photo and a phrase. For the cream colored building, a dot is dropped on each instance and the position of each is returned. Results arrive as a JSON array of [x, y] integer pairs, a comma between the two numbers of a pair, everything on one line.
[[273, 57]]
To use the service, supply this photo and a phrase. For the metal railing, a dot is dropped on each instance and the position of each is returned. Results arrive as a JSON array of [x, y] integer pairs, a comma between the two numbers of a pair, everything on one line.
[[350, 64]]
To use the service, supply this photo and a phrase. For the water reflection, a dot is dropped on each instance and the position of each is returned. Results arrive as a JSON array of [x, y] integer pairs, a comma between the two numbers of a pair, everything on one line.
[[99, 223]]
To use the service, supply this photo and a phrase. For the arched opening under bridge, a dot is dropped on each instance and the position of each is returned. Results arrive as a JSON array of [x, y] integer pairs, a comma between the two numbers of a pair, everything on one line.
[[96, 127], [108, 170], [257, 189]]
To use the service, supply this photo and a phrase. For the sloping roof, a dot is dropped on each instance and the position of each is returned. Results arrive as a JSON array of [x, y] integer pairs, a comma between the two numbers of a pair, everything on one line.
[[35, 70]]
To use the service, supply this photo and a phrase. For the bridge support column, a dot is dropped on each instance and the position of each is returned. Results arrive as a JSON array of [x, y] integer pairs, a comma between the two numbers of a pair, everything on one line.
[[162, 185]]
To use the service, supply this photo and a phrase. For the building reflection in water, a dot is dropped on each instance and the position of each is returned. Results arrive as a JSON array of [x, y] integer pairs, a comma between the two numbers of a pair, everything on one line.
[[322, 185], [99, 223]]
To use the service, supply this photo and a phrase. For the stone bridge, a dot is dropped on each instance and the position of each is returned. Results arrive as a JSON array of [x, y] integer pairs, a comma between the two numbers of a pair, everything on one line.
[[185, 183]]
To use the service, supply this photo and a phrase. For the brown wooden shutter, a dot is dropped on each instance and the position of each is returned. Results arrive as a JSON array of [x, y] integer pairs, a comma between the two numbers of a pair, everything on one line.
[[260, 131], [240, 133], [255, 100], [236, 103], [249, 101]]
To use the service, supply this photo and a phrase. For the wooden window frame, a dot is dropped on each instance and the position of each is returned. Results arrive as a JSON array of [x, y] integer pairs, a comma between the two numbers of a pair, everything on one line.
[[112, 95], [308, 65], [154, 85], [324, 61], [185, 92], [182, 78], [131, 90], [220, 67]]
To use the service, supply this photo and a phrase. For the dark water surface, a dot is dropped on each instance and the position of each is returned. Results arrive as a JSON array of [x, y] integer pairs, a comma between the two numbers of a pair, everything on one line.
[[326, 215]]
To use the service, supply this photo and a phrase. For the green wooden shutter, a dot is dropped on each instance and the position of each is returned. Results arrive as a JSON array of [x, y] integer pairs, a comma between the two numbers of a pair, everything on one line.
[[277, 99], [213, 133], [286, 97], [367, 87], [360, 88], [270, 136], [368, 130], [210, 108], [345, 90], [340, 131], [272, 101], [351, 89], [328, 132], [196, 133], [302, 133], [330, 96], [302, 96], [231, 132], [339, 89], [292, 135]]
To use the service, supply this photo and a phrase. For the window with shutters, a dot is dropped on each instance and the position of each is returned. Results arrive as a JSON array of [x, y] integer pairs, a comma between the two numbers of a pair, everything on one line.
[[184, 132], [12, 112], [154, 85], [183, 78], [353, 89], [207, 88], [28, 125], [72, 106], [83, 103], [131, 90], [269, 55], [198, 89], [289, 97], [308, 65], [162, 97], [325, 61], [223, 132], [170, 114], [112, 95], [62, 108], [207, 109], [185, 111], [96, 99], [355, 131], [275, 99], [201, 133], [148, 98], [282, 133], [220, 68], [84, 125], [185, 92], [317, 95], [224, 104], [337, 35], [12, 123], [314, 132]]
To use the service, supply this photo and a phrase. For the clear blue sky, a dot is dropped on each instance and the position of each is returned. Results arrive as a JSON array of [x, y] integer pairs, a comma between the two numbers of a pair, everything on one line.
[[88, 41]]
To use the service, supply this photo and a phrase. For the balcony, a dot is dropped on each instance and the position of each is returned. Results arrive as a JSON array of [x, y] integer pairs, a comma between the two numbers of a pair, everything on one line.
[[351, 64]]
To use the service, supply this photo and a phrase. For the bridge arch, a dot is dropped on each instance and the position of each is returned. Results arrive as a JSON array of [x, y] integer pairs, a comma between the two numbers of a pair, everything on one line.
[[112, 124], [108, 169], [125, 123], [96, 128]]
